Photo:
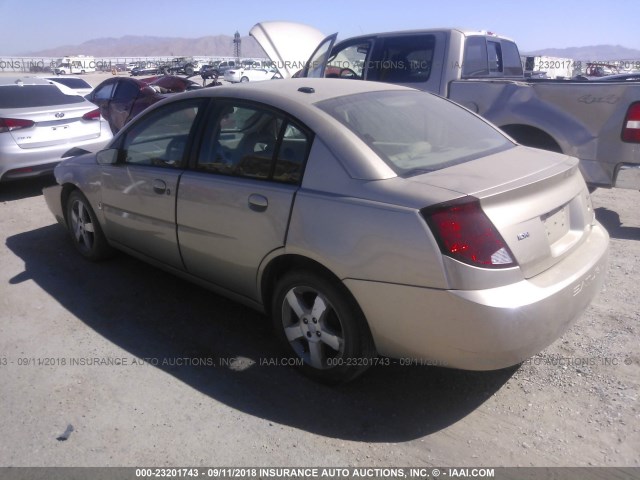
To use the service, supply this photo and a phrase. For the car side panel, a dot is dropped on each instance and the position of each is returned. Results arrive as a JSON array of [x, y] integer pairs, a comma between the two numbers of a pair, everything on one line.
[[223, 231], [139, 209]]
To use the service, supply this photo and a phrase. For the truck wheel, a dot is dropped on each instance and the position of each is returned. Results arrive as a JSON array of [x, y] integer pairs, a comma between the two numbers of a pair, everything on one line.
[[188, 70], [320, 324]]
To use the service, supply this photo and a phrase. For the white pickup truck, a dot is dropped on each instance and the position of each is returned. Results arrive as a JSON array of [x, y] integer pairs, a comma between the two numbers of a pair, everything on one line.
[[597, 122]]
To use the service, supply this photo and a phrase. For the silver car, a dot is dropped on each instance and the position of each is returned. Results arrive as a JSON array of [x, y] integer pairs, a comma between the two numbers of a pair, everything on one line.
[[40, 124], [367, 219]]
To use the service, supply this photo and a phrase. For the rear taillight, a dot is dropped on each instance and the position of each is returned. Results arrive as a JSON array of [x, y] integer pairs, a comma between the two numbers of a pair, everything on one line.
[[464, 232], [10, 124], [631, 127], [92, 115]]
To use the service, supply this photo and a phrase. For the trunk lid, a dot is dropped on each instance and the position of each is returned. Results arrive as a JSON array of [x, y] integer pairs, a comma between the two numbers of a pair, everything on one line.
[[54, 125], [537, 200]]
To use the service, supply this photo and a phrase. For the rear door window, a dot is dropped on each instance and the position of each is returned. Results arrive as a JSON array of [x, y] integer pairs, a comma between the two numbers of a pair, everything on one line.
[[403, 59], [251, 141]]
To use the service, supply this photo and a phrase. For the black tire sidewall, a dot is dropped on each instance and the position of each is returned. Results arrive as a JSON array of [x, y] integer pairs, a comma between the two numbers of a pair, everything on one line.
[[100, 248]]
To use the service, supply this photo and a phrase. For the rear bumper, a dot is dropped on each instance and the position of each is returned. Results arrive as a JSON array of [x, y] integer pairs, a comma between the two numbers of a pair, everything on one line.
[[628, 176], [30, 171], [484, 329], [16, 162]]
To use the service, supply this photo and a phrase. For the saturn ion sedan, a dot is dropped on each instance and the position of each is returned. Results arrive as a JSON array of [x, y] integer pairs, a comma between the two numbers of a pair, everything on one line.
[[366, 219], [41, 123]]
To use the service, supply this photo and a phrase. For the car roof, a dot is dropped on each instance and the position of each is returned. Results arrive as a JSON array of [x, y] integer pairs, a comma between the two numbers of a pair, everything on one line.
[[23, 80], [464, 31], [302, 91]]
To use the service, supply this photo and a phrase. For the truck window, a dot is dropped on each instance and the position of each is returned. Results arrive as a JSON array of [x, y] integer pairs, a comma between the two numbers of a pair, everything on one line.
[[511, 59], [475, 57], [348, 62], [404, 59], [495, 57]]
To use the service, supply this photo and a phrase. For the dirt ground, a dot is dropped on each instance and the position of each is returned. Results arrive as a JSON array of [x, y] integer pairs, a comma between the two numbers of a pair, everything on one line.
[[120, 364]]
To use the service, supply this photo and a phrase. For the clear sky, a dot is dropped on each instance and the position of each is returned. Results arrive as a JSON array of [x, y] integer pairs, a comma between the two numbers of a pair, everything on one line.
[[32, 25]]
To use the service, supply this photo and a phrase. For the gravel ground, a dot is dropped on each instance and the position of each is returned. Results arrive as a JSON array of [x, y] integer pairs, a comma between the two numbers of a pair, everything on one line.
[[62, 318], [575, 404]]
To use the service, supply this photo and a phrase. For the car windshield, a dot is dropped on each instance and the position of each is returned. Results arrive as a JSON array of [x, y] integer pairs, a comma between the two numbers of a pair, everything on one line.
[[27, 96], [415, 132]]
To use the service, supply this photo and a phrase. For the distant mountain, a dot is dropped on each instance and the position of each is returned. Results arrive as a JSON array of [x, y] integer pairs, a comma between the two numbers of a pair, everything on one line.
[[222, 46], [593, 53], [145, 46]]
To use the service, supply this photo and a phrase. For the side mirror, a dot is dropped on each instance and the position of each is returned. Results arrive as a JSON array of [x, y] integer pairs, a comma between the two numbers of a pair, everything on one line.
[[107, 157]]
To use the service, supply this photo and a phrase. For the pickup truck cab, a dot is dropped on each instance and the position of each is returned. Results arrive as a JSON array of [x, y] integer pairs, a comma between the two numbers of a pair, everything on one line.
[[597, 122]]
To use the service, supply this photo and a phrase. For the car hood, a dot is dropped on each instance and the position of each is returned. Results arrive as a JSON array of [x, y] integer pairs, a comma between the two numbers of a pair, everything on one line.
[[289, 45]]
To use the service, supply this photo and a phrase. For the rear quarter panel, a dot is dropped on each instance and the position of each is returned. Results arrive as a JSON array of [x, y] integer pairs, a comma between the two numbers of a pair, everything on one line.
[[585, 119]]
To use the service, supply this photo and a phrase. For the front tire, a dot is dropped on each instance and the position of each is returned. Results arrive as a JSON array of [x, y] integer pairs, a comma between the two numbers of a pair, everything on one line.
[[318, 321], [84, 229]]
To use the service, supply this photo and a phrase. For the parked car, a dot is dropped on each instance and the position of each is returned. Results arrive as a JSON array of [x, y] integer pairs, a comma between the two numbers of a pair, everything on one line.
[[217, 69], [78, 85], [149, 68], [198, 65], [243, 75], [122, 98], [40, 125], [366, 218]]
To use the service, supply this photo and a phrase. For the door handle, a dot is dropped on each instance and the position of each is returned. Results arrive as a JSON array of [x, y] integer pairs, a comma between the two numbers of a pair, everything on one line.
[[159, 186], [258, 203]]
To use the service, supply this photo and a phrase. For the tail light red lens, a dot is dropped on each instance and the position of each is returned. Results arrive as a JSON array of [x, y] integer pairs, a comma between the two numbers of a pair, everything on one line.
[[631, 127], [92, 115], [464, 232], [10, 124]]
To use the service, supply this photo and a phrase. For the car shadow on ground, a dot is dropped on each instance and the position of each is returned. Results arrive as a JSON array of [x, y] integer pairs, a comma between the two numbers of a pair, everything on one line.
[[29, 187], [611, 221], [156, 316]]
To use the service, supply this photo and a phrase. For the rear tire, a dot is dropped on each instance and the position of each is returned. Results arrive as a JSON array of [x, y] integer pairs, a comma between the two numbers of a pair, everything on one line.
[[84, 228], [244, 80], [319, 322]]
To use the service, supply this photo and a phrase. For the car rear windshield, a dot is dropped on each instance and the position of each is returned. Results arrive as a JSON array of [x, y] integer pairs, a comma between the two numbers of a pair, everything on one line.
[[28, 96], [416, 132], [71, 82]]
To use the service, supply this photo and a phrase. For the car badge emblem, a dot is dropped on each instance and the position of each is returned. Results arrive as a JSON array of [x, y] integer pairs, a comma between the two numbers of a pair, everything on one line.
[[59, 115], [523, 235]]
